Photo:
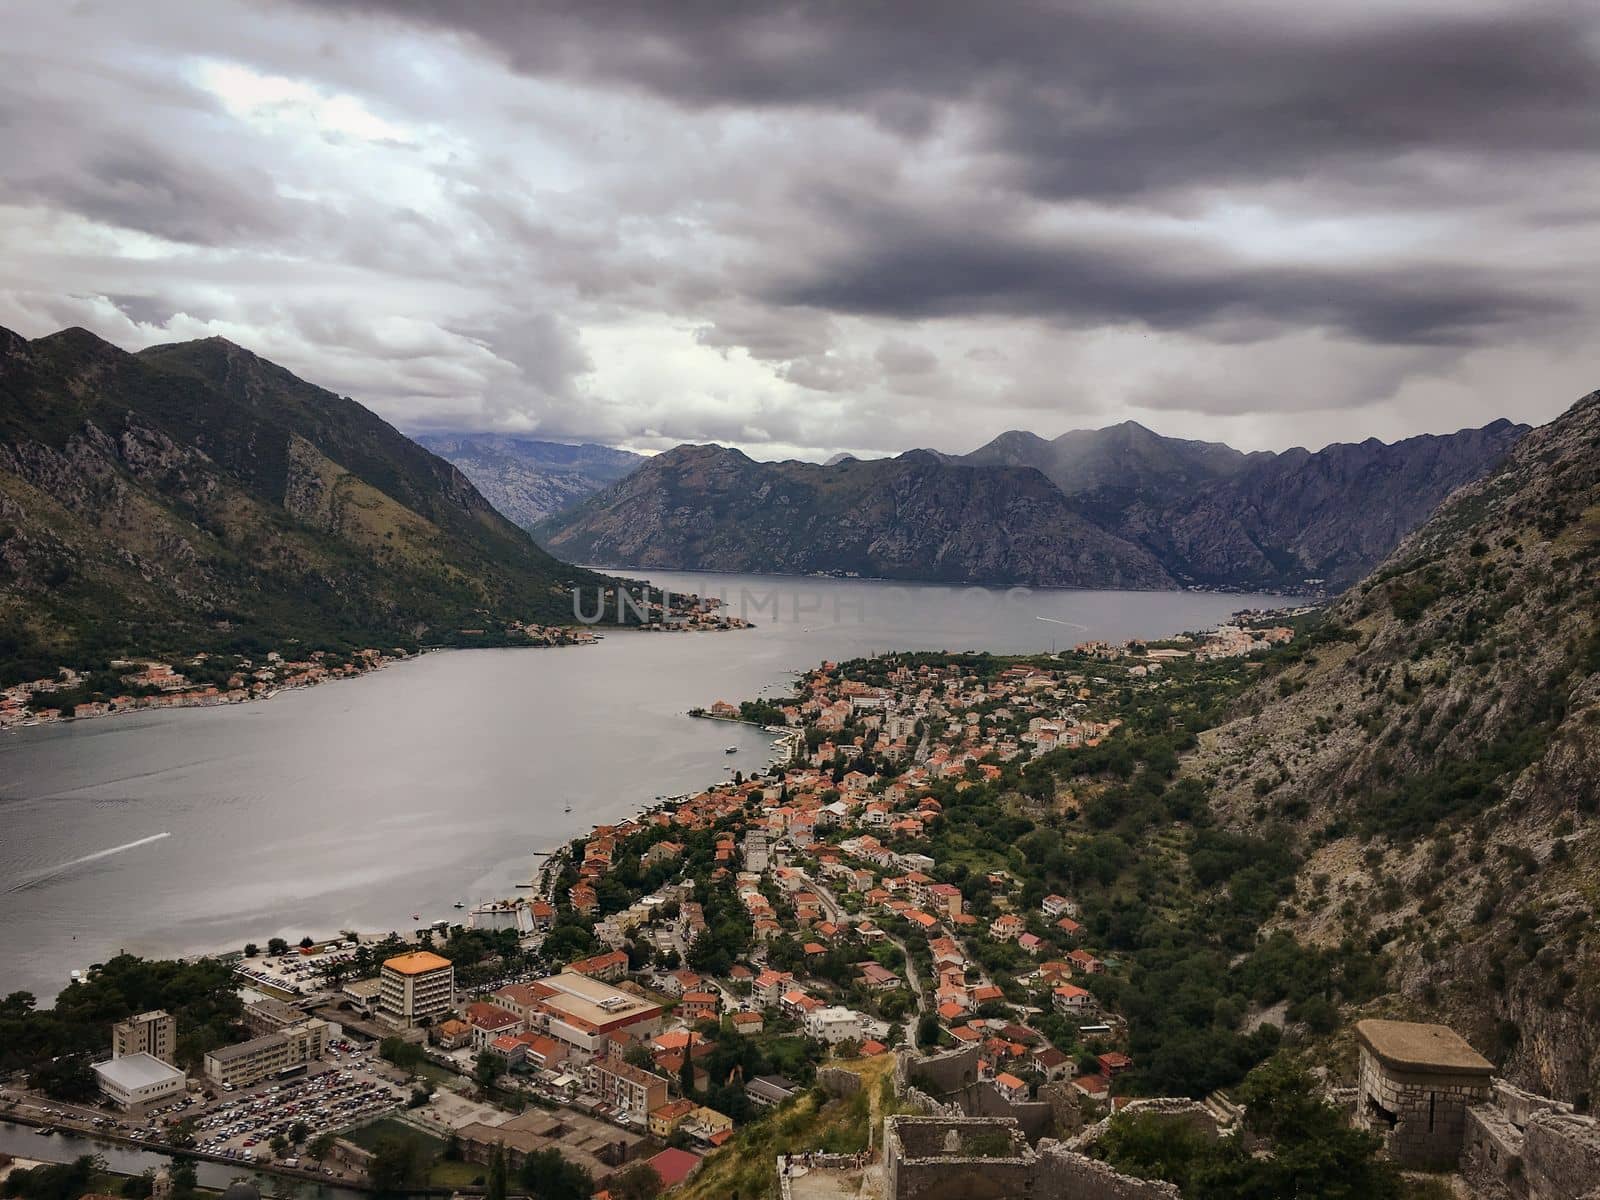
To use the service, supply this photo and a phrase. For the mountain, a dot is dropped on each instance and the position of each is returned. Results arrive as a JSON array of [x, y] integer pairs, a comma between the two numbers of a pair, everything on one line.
[[1216, 516], [195, 495], [526, 479], [911, 517], [1113, 467], [1435, 755], [1128, 505]]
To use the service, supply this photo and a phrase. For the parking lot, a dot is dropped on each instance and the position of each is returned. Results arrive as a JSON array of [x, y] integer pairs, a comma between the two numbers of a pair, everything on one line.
[[335, 1094]]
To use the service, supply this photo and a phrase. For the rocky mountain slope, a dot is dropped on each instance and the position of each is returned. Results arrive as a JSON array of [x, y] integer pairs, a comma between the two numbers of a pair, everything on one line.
[[911, 517], [1216, 516], [195, 495], [527, 479], [1436, 755], [1204, 513]]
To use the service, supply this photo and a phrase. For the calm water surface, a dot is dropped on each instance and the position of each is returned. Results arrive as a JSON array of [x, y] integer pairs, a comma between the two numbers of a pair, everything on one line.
[[359, 803]]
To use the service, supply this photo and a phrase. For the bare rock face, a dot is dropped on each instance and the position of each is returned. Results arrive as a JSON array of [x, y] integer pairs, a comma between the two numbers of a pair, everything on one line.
[[1437, 758], [527, 479]]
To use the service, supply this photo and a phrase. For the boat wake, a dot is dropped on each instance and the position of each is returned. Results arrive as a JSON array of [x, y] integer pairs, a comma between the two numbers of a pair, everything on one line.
[[51, 872]]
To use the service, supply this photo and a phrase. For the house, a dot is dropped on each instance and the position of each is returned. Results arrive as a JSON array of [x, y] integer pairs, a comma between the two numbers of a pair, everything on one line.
[[878, 978], [833, 1024], [673, 1166], [608, 967], [700, 1006], [1114, 1063], [666, 1119], [1086, 962], [1051, 1063], [1031, 944], [510, 1048], [1068, 927], [709, 1125], [452, 1034], [1096, 1087], [1012, 1088], [748, 1023], [1070, 999], [1006, 927], [489, 1021], [768, 1090], [769, 986]]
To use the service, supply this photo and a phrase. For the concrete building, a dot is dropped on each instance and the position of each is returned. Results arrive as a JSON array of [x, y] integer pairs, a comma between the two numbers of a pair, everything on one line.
[[584, 1014], [134, 1082], [249, 1062], [416, 987], [269, 1016], [153, 1033], [833, 1025], [1416, 1083], [632, 1092]]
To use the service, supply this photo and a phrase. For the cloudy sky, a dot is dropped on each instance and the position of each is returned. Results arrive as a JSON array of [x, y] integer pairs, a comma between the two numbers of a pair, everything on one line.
[[803, 228]]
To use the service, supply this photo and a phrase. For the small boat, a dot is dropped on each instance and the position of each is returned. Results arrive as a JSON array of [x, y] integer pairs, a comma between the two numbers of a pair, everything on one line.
[[416, 916], [568, 808], [460, 904], [731, 750]]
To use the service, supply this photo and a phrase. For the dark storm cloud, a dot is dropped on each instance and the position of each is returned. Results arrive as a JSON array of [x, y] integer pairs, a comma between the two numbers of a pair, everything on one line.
[[1091, 98], [899, 265], [827, 225]]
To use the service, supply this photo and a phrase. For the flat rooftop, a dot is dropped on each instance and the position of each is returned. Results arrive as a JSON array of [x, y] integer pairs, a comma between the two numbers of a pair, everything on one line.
[[593, 1001], [1413, 1046], [418, 962], [133, 1071]]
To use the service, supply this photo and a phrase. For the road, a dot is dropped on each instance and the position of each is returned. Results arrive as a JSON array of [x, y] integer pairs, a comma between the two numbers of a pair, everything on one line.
[[837, 915]]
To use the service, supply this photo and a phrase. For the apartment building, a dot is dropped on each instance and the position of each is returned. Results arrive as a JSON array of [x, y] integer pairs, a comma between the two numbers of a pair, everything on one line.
[[250, 1062], [154, 1033], [416, 986], [632, 1092]]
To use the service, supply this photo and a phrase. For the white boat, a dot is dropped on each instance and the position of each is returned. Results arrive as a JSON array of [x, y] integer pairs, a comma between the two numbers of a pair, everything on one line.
[[731, 750]]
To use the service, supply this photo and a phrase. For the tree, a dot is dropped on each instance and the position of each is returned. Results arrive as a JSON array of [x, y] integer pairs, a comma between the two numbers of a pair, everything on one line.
[[307, 942], [299, 1132], [686, 1073], [548, 1176], [497, 1174], [488, 1068], [403, 1054], [321, 1148], [277, 946], [251, 949], [398, 1162], [928, 1030], [70, 1078], [638, 1182]]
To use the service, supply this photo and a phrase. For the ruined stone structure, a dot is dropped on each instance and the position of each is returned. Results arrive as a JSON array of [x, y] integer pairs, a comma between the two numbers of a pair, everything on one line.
[[948, 1084], [1531, 1147], [988, 1158], [1415, 1084]]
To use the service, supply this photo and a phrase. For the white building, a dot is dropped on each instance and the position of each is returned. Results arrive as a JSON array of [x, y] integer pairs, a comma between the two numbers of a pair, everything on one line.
[[132, 1082], [834, 1025]]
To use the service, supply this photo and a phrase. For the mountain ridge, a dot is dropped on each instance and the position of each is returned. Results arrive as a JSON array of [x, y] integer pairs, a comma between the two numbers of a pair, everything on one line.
[[910, 517], [1434, 753], [195, 495], [1206, 514]]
